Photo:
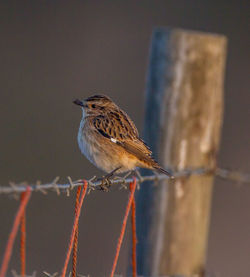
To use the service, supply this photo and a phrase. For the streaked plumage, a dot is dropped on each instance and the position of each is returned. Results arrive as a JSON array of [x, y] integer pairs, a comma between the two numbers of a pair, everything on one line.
[[109, 138]]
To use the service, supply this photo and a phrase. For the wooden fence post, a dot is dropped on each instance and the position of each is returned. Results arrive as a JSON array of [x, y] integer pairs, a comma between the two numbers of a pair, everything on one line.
[[184, 108]]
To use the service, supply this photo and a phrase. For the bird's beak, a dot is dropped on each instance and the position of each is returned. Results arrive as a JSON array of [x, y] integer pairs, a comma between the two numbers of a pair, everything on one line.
[[78, 102]]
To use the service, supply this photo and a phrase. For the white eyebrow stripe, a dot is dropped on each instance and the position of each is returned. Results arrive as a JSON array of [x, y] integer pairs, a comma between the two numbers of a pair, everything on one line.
[[113, 140]]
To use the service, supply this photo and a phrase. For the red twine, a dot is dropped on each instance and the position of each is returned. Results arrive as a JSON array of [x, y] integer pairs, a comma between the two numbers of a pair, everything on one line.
[[13, 233], [23, 239], [75, 245], [125, 219], [134, 239], [76, 220]]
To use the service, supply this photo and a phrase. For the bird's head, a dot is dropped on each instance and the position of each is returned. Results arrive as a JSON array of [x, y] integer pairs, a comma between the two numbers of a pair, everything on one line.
[[94, 105]]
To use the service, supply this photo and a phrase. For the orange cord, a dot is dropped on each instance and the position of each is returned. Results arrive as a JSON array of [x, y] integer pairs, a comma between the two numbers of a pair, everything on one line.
[[21, 218], [134, 239], [75, 245], [13, 233], [125, 219], [77, 215], [23, 240]]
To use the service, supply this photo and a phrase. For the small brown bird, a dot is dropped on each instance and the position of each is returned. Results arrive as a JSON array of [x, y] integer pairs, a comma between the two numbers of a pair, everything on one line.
[[109, 139]]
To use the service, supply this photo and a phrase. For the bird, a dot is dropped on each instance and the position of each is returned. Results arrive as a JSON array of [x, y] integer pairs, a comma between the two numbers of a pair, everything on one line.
[[110, 140]]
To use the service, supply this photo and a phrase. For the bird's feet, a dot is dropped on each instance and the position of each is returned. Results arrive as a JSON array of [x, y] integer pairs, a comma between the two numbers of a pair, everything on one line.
[[105, 183], [106, 180]]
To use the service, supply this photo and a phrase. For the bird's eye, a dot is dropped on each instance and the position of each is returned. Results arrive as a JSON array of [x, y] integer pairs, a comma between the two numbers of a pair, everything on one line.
[[93, 106]]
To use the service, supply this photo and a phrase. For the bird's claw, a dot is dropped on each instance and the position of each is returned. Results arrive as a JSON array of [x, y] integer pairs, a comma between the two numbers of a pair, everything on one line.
[[105, 184]]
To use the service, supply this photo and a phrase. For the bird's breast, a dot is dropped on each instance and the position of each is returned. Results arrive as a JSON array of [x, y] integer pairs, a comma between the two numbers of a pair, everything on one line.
[[84, 141], [103, 153]]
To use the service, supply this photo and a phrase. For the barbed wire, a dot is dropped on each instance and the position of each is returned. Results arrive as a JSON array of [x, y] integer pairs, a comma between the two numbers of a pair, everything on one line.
[[102, 184], [56, 274]]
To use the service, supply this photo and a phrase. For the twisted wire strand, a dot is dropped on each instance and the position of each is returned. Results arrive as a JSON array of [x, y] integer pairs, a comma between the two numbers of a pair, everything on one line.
[[227, 174]]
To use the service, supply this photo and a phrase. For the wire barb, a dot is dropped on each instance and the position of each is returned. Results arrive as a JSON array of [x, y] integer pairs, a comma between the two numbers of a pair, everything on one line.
[[55, 186], [39, 187], [15, 274], [233, 175], [50, 275]]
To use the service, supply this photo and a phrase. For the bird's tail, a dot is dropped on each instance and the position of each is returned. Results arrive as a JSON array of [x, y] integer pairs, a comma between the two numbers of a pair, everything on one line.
[[161, 170]]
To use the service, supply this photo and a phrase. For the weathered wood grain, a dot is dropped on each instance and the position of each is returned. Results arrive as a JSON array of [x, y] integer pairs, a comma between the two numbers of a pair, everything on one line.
[[184, 110]]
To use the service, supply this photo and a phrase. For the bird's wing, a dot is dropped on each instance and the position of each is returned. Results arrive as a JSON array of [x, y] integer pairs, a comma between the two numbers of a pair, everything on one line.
[[120, 129]]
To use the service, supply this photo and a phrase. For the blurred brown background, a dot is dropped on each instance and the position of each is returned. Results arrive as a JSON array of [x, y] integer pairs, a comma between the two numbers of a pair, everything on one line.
[[54, 51]]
